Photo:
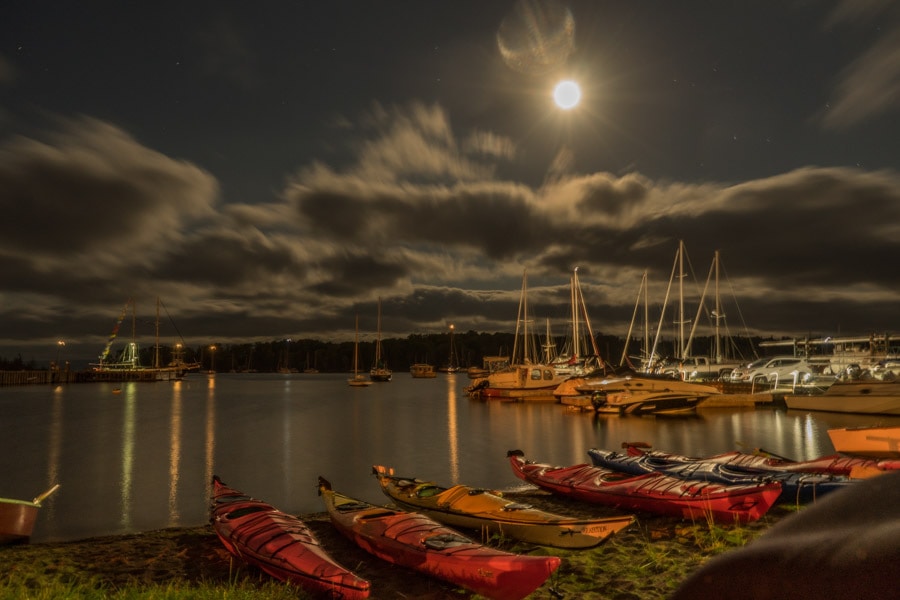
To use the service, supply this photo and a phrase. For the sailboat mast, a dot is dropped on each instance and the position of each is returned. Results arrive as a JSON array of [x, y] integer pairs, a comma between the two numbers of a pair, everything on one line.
[[681, 348], [156, 355], [718, 311], [356, 348], [576, 335]]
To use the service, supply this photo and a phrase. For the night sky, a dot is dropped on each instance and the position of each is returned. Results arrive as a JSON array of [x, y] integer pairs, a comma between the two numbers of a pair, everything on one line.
[[270, 169]]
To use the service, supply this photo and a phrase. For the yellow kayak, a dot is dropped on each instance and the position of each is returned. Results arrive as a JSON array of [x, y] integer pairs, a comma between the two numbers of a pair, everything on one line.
[[489, 512]]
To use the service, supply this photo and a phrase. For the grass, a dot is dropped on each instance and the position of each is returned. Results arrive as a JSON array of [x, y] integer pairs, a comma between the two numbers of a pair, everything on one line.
[[647, 560]]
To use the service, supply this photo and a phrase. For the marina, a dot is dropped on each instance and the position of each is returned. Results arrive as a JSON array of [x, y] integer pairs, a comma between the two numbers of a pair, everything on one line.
[[143, 458]]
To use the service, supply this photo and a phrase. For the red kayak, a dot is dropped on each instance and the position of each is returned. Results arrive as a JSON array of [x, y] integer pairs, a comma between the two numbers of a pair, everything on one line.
[[654, 492], [833, 464], [279, 544], [413, 540]]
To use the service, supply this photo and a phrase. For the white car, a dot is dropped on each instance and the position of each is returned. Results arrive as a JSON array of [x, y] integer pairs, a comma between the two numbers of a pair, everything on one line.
[[781, 370], [741, 374]]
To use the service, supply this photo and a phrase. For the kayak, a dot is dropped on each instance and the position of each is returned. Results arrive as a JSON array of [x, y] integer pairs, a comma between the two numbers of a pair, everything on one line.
[[413, 540], [488, 511], [279, 544], [796, 487], [763, 462], [652, 492]]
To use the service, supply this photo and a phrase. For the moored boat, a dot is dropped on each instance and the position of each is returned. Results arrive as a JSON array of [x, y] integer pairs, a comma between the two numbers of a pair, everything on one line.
[[422, 371], [279, 544], [380, 370], [526, 378], [796, 487], [418, 542], [488, 511], [653, 492], [860, 396], [883, 442], [17, 517]]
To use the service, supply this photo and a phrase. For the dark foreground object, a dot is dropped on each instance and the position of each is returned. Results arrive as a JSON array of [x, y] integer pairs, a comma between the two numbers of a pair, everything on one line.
[[845, 547]]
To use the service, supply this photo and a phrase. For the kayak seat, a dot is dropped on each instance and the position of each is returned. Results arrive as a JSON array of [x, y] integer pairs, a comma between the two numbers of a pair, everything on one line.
[[444, 541], [427, 491]]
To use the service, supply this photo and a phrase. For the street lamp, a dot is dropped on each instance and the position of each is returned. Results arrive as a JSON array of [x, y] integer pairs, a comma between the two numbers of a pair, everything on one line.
[[59, 345], [212, 359]]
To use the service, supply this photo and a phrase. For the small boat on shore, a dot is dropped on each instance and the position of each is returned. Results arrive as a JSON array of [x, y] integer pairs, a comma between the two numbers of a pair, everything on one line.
[[798, 488], [878, 442], [415, 541], [17, 517], [652, 492], [488, 511], [279, 544]]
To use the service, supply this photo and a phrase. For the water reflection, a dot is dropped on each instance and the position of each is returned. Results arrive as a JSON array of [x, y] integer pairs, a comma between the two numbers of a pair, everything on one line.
[[54, 449], [128, 427], [281, 433], [452, 433], [210, 445], [174, 451]]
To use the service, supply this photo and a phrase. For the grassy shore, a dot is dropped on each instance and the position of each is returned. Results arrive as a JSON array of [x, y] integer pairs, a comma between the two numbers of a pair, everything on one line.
[[645, 561]]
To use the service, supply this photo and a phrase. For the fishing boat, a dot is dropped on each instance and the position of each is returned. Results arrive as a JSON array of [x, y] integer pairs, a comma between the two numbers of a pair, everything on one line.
[[883, 441], [422, 371], [358, 379], [379, 370], [765, 462], [796, 487], [489, 512], [17, 517], [415, 541], [652, 492], [279, 544], [862, 396]]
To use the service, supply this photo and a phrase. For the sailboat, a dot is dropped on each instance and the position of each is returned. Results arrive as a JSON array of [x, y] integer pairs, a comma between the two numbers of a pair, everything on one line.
[[526, 378], [576, 358], [379, 371], [357, 380], [452, 365]]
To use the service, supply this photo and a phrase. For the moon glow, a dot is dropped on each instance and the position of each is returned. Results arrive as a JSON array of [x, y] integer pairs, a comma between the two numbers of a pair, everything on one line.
[[567, 94]]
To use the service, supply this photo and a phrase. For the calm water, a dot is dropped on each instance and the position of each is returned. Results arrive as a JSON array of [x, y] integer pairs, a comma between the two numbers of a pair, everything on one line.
[[143, 459]]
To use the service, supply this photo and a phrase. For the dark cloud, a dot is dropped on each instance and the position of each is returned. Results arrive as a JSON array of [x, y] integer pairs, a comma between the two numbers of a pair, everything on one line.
[[434, 177]]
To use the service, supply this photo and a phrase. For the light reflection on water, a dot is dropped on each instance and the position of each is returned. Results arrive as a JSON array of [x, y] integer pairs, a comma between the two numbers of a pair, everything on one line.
[[144, 459]]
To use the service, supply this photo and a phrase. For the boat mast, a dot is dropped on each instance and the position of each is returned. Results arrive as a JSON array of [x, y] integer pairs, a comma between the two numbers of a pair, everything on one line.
[[156, 356], [576, 335], [718, 314], [681, 348]]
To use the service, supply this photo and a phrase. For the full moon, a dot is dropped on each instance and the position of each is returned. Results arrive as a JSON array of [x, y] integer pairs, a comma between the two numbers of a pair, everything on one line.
[[567, 94]]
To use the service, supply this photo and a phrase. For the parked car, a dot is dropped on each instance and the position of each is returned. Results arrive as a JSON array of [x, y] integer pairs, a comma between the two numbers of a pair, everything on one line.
[[781, 370], [741, 374]]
